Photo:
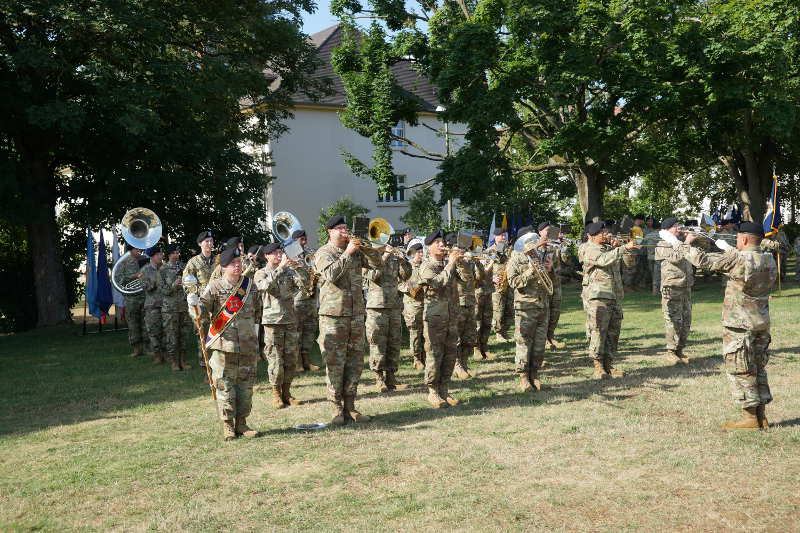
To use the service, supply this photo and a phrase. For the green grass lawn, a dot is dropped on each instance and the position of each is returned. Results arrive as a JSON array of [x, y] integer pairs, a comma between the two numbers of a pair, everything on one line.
[[95, 440]]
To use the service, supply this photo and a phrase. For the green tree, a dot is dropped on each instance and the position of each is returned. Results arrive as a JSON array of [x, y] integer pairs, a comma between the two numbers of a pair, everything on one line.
[[344, 206], [107, 105], [424, 212]]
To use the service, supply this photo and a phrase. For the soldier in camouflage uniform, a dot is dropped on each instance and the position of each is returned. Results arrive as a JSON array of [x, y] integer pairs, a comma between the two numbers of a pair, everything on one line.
[[153, 321], [174, 311], [502, 297], [649, 243], [745, 320], [342, 313], [384, 318], [440, 319], [413, 306], [677, 280], [584, 282], [201, 266], [603, 294], [248, 268], [305, 307], [552, 257], [531, 303], [234, 354], [470, 275], [278, 284], [128, 271], [483, 310]]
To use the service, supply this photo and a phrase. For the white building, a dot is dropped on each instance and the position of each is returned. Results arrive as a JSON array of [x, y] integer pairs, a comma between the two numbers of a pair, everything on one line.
[[309, 171]]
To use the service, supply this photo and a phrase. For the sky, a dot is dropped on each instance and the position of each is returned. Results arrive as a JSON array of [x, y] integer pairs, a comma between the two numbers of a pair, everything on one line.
[[319, 20]]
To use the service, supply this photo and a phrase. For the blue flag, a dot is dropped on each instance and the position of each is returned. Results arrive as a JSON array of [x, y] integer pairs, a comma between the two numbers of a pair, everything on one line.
[[772, 220], [105, 298], [91, 276]]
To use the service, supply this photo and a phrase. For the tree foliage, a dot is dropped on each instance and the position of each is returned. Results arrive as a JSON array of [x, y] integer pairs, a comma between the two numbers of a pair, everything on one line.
[[344, 206], [424, 213]]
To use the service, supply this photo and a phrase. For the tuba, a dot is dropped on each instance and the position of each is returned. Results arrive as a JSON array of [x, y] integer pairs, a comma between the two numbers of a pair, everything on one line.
[[284, 224], [141, 228]]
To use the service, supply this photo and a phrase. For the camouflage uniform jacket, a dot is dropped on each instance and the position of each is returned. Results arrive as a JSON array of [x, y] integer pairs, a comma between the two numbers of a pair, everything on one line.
[[200, 267], [340, 289], [676, 271], [404, 286], [467, 281], [601, 272], [751, 275], [173, 297], [529, 291], [441, 294], [650, 241], [307, 279], [277, 287], [241, 335], [485, 286], [152, 290], [125, 274], [502, 259], [382, 283]]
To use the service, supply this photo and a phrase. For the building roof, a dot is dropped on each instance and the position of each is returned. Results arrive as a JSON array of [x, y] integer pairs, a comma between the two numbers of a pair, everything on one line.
[[327, 40]]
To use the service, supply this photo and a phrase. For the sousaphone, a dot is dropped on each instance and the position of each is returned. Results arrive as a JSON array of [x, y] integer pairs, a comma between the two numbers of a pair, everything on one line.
[[141, 228]]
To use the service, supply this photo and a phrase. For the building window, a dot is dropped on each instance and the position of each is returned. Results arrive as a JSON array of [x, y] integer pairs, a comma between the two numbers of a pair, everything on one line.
[[400, 131], [398, 195]]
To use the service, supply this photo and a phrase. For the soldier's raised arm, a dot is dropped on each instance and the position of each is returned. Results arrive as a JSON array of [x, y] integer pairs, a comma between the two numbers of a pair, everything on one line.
[[599, 258], [719, 262]]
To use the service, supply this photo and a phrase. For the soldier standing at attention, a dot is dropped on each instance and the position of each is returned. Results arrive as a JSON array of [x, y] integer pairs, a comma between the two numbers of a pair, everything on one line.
[[552, 258], [651, 238], [528, 277], [502, 298], [305, 307], [413, 306], [604, 294], [677, 279], [232, 307], [745, 319], [384, 318], [342, 311], [134, 303], [277, 285], [174, 311], [483, 310], [201, 266], [153, 321]]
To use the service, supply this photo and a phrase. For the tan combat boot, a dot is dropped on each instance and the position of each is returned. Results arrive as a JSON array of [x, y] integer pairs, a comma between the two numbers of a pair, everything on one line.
[[277, 400], [350, 408], [391, 381], [380, 382], [176, 366], [556, 344], [418, 364], [243, 430], [228, 431], [158, 358], [478, 354], [137, 350], [762, 416], [599, 371], [435, 400], [682, 359], [749, 420], [535, 382], [338, 414], [525, 382], [312, 367], [444, 393], [461, 372], [611, 371], [287, 397]]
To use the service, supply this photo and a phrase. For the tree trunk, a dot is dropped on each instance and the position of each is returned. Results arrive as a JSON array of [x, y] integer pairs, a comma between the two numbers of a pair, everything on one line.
[[752, 174], [591, 186]]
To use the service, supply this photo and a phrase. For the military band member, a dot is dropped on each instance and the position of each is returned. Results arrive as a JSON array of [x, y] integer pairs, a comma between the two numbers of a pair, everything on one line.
[[440, 318], [201, 266], [604, 294], [745, 319], [128, 271], [305, 307], [413, 305], [552, 257], [677, 280], [153, 320], [470, 274], [174, 310], [277, 284], [483, 310], [253, 261], [342, 313], [502, 297], [234, 242], [649, 243], [232, 306], [527, 276], [384, 318]]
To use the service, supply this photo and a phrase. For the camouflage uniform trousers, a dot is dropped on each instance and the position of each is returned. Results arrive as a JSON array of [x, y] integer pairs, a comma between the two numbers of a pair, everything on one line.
[[280, 351], [502, 311], [605, 321], [134, 316], [554, 306], [530, 336], [233, 375], [629, 267], [467, 333], [306, 314], [483, 319], [642, 272], [655, 274], [154, 323], [384, 335], [204, 323], [177, 326], [412, 314], [342, 342], [676, 304], [441, 350], [746, 355]]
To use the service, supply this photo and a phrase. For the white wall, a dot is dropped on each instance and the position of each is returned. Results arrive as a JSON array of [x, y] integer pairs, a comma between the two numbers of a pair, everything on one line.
[[310, 173]]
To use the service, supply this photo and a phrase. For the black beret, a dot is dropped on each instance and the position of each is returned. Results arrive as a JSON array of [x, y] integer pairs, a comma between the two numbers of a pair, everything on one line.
[[542, 225], [229, 255], [751, 228], [414, 247], [523, 230], [334, 221], [172, 248], [668, 222], [296, 234], [607, 223], [593, 228], [450, 238], [203, 236], [155, 250], [432, 236], [253, 249], [638, 216], [268, 249], [499, 231], [650, 217], [233, 241], [407, 230]]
